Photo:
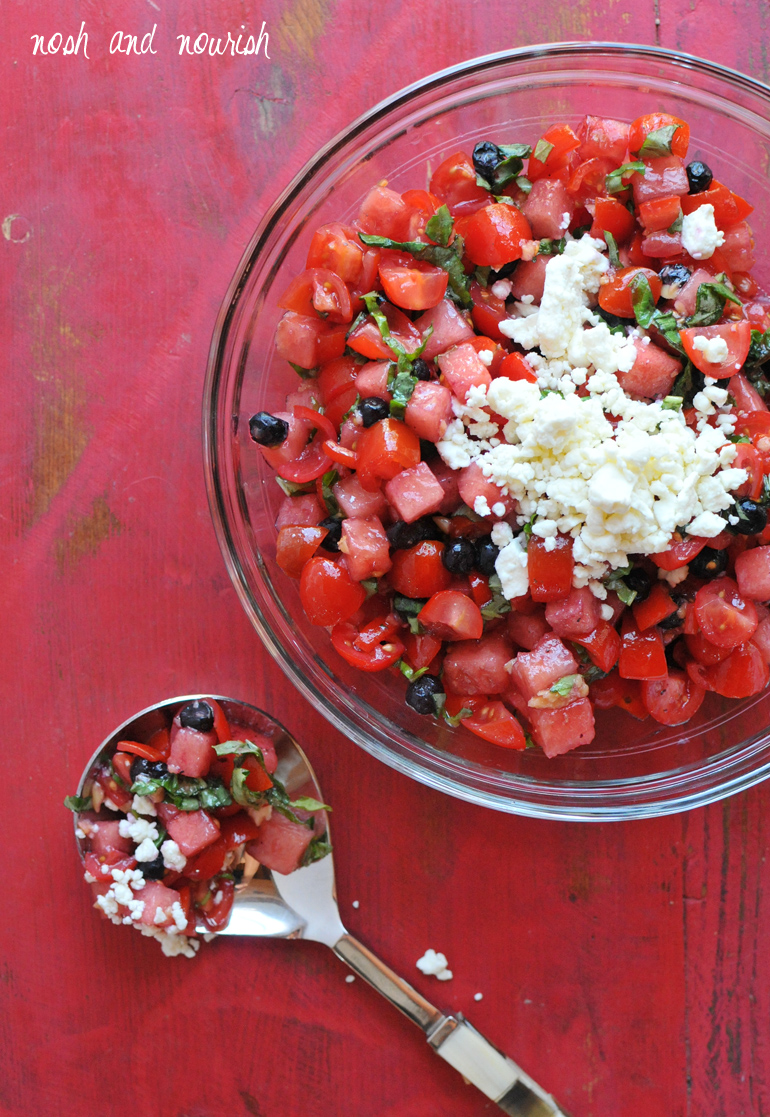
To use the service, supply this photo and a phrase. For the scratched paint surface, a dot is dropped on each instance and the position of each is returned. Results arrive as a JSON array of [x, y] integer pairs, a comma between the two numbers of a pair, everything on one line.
[[626, 966]]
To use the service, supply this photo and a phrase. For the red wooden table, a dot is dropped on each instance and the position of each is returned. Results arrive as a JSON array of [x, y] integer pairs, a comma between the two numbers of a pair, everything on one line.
[[626, 965]]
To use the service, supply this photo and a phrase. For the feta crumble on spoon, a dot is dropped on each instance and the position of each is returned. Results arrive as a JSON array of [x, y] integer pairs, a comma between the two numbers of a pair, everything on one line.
[[527, 463]]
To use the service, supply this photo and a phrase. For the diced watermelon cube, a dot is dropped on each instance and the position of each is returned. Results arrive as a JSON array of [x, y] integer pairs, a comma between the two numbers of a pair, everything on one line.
[[529, 277], [192, 831], [157, 898], [281, 843], [559, 731], [462, 369], [539, 669], [243, 733], [652, 374], [372, 380], [752, 573], [578, 614], [191, 751], [478, 666], [105, 838], [414, 493], [355, 501], [663, 176], [450, 327], [474, 486], [527, 629], [546, 207], [303, 510], [365, 547], [429, 410]]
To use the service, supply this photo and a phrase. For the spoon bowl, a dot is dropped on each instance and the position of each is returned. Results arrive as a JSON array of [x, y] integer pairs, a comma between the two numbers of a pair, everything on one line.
[[303, 905]]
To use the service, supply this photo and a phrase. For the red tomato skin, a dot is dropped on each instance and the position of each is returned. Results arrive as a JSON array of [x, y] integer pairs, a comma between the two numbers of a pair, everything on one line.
[[673, 700], [412, 284], [737, 335], [494, 235], [375, 658], [419, 571], [454, 182], [642, 655], [494, 722], [450, 615], [725, 618], [612, 690], [655, 608], [742, 674], [603, 645], [550, 572], [679, 553], [384, 450], [651, 122], [615, 296], [328, 593]]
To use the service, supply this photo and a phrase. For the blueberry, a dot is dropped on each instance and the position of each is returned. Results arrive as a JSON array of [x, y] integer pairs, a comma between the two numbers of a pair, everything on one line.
[[421, 369], [372, 409], [153, 870], [197, 715], [486, 555], [402, 536], [673, 278], [640, 582], [709, 563], [677, 618], [153, 769], [331, 542], [419, 694], [459, 556], [699, 176], [266, 429], [752, 517], [486, 156]]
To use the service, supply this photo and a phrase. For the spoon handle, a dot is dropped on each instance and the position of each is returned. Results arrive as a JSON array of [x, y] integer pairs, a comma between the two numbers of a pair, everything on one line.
[[453, 1038]]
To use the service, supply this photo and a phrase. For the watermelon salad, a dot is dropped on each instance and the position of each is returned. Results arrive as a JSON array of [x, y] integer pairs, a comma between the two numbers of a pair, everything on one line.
[[525, 464], [165, 823]]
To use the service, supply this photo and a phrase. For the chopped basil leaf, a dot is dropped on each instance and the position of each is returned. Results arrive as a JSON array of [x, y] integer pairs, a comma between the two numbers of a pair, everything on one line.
[[482, 275], [542, 150], [614, 324], [216, 796], [455, 719], [449, 257], [78, 803], [593, 673], [668, 325], [642, 300], [499, 605], [440, 226], [329, 479], [305, 373], [401, 387], [237, 748], [508, 169], [527, 529], [688, 383], [371, 586], [614, 180], [408, 606], [414, 626], [308, 803], [710, 304], [530, 744], [316, 851], [581, 231], [759, 349], [612, 248], [185, 792], [737, 439], [548, 247], [564, 686], [614, 582], [410, 673], [523, 184], [659, 142], [672, 403]]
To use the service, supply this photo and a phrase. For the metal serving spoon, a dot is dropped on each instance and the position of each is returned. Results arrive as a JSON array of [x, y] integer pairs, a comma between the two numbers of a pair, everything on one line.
[[303, 905]]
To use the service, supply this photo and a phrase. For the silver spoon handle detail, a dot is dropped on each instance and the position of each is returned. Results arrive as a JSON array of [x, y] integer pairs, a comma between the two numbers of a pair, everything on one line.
[[453, 1038]]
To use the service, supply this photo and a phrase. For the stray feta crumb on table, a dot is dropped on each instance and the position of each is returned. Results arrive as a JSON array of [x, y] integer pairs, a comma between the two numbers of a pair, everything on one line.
[[434, 965]]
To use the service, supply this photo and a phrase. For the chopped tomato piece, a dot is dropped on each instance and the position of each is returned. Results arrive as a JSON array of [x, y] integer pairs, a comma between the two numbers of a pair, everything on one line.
[[329, 594], [454, 182], [412, 284], [450, 615], [295, 545], [384, 450], [725, 617], [495, 234], [616, 296], [679, 553], [419, 571], [743, 673], [612, 690], [375, 656], [673, 700], [642, 655], [557, 144], [655, 608], [493, 721], [611, 216], [737, 337], [643, 126]]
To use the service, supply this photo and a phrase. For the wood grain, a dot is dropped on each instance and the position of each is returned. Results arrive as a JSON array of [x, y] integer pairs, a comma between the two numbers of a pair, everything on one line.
[[625, 966]]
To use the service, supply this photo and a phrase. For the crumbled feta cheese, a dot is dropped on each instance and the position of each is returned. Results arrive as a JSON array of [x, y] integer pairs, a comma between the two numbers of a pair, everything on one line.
[[511, 568], [700, 235], [501, 288], [486, 356], [80, 833], [142, 805], [89, 878], [478, 996], [138, 829], [173, 858], [607, 612], [146, 851], [481, 506], [714, 349], [707, 525], [435, 965], [178, 915]]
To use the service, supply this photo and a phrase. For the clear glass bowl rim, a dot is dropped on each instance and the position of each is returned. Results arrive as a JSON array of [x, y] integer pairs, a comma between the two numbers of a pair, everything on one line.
[[734, 770]]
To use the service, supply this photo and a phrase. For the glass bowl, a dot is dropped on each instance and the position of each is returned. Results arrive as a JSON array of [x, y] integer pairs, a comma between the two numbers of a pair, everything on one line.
[[632, 769]]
